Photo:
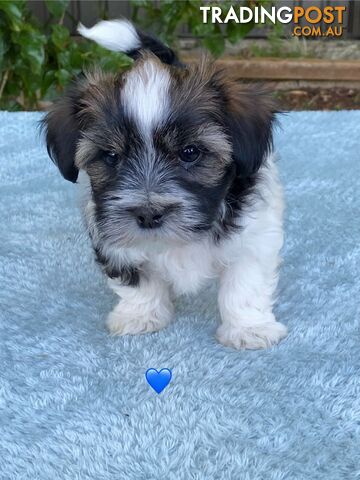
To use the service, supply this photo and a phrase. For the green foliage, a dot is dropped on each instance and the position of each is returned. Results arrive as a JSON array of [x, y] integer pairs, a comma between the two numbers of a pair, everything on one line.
[[165, 17], [37, 61]]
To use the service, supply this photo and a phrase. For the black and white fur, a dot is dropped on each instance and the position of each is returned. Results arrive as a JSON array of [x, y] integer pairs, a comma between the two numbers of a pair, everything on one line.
[[182, 186]]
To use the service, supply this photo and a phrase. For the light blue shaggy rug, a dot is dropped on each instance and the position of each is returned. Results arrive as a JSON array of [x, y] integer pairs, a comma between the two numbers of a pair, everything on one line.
[[74, 403]]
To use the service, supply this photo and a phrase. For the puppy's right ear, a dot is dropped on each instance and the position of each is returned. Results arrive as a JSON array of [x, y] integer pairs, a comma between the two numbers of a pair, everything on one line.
[[62, 130]]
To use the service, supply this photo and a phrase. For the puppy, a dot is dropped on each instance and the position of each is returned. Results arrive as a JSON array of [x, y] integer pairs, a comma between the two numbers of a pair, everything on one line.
[[182, 185]]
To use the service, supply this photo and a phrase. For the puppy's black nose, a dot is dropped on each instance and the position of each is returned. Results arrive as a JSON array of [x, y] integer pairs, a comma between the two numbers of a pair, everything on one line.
[[148, 218]]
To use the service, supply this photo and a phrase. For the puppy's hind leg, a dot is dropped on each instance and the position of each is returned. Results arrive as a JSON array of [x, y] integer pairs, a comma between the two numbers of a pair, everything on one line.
[[144, 308]]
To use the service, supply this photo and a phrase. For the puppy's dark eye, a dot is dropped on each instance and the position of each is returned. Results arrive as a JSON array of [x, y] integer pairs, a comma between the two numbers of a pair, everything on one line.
[[189, 154], [110, 158]]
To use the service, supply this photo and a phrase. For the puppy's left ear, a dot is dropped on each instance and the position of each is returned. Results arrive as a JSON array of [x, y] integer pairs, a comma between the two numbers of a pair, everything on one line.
[[250, 114], [62, 130]]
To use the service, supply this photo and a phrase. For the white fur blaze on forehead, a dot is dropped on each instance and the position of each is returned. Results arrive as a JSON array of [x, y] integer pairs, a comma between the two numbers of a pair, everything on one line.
[[145, 95], [116, 35]]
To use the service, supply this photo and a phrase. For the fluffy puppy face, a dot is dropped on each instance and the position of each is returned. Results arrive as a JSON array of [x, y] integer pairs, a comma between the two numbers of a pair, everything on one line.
[[162, 147]]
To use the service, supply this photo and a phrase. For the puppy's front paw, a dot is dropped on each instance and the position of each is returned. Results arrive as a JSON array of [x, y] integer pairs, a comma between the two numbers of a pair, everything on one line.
[[251, 337], [123, 321]]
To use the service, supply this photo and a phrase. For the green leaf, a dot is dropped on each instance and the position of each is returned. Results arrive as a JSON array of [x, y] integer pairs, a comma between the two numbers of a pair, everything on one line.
[[76, 59], [63, 77], [216, 45], [115, 63], [60, 36], [57, 7], [202, 29], [48, 79], [13, 88], [14, 13], [64, 59], [215, 42], [12, 9], [237, 31], [32, 48], [31, 84]]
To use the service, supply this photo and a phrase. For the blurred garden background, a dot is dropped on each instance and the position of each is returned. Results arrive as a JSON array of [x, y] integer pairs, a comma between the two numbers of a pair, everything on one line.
[[40, 51]]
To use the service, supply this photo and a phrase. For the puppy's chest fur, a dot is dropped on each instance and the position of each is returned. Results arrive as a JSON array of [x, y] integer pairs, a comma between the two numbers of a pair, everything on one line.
[[185, 268], [188, 267]]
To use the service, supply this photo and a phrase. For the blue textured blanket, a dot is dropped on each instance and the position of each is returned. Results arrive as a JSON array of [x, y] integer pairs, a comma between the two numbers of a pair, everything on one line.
[[74, 402]]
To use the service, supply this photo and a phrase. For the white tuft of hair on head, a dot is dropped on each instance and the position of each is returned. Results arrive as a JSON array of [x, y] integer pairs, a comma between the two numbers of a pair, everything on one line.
[[115, 35], [146, 95]]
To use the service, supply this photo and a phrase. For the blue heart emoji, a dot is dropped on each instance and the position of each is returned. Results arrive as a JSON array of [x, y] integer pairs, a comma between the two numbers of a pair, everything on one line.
[[158, 380]]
